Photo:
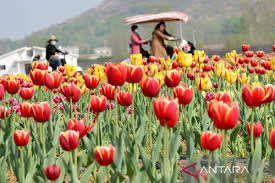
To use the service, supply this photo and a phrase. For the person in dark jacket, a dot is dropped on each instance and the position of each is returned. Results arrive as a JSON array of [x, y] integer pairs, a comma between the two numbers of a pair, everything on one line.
[[52, 53]]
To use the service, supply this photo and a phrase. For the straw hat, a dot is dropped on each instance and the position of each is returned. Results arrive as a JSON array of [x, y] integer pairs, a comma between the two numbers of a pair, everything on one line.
[[52, 38]]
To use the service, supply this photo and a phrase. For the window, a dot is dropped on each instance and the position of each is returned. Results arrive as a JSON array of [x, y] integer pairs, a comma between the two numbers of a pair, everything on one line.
[[2, 67]]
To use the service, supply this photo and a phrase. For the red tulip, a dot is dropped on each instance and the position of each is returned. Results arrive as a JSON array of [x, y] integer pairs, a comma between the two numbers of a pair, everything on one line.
[[262, 71], [116, 74], [108, 91], [98, 103], [42, 65], [207, 68], [267, 65], [104, 155], [124, 98], [257, 70], [13, 86], [134, 74], [41, 112], [249, 54], [254, 96], [251, 70], [52, 172], [226, 97], [241, 60], [191, 75], [150, 87], [21, 137], [273, 47], [225, 116], [80, 127], [175, 65], [167, 111], [272, 137], [26, 109], [173, 78], [71, 92], [210, 140], [26, 93], [246, 60], [257, 129], [254, 62], [216, 58], [52, 79], [152, 59], [260, 53], [61, 68], [37, 77], [69, 140], [270, 93], [2, 109], [91, 82], [183, 94], [245, 47], [2, 91]]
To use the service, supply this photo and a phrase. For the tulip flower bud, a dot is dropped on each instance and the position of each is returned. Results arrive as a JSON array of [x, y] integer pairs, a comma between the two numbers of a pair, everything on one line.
[[41, 112], [91, 82], [124, 98], [260, 54], [226, 97], [98, 103], [21, 137], [26, 109], [249, 54], [2, 92], [42, 65], [26, 93], [253, 96], [225, 116], [167, 111], [61, 69], [257, 129], [2, 111], [13, 86], [245, 47], [52, 172], [272, 137], [173, 78], [69, 140], [150, 87], [52, 79], [37, 77], [210, 140], [184, 95], [134, 74], [270, 93], [116, 74], [108, 91], [104, 155]]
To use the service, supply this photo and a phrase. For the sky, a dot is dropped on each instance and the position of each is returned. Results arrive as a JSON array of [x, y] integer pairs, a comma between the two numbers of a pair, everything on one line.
[[22, 17]]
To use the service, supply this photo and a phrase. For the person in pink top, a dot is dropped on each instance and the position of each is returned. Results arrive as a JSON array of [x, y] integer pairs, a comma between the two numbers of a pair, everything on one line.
[[136, 42]]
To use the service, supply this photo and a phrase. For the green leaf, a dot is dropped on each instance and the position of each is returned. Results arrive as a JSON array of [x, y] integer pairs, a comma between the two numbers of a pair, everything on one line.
[[50, 157], [74, 175], [86, 175], [102, 174], [119, 152], [234, 133], [174, 145], [31, 172], [141, 177], [157, 147]]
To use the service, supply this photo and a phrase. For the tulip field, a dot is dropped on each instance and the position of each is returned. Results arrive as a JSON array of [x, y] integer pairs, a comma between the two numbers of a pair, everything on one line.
[[192, 119]]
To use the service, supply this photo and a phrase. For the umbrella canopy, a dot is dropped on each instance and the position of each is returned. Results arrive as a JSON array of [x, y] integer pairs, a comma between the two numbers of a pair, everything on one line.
[[151, 18]]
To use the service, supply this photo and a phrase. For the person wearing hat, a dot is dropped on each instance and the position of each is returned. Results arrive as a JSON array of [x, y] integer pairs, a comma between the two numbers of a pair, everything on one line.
[[52, 53]]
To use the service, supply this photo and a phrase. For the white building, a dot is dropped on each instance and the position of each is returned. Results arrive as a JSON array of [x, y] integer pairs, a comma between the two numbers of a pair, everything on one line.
[[100, 52], [19, 61]]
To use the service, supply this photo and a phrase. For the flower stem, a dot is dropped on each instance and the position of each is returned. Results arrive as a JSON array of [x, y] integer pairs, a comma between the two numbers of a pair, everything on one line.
[[225, 152], [116, 113], [266, 122], [98, 133], [209, 159], [89, 104], [71, 104], [166, 163], [133, 113], [252, 130], [22, 163], [150, 123], [75, 159], [51, 118], [43, 139]]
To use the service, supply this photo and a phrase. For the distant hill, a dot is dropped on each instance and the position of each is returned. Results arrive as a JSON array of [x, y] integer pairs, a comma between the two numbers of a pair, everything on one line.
[[227, 22]]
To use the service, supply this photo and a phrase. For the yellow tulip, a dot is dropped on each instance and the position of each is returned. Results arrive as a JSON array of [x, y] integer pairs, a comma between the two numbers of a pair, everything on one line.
[[185, 59], [231, 76], [199, 56], [244, 79], [272, 63], [136, 59], [70, 70], [274, 76], [203, 84], [168, 64], [219, 69], [153, 68], [232, 57], [160, 75]]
